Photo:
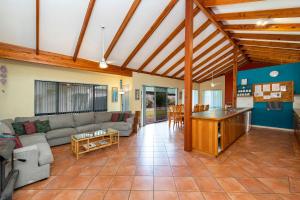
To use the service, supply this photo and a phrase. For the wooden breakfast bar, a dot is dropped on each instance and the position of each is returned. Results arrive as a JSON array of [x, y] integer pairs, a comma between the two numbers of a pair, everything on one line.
[[215, 130]]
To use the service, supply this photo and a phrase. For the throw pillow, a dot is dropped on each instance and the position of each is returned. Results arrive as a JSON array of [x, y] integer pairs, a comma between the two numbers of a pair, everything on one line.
[[114, 117], [29, 127], [4, 128], [121, 117], [19, 128], [42, 126], [16, 139], [126, 116]]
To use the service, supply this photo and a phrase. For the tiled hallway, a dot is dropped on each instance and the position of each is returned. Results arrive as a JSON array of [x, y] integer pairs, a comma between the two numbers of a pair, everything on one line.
[[264, 165]]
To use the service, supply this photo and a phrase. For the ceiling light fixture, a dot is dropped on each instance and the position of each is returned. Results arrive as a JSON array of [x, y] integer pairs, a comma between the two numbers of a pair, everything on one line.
[[103, 63], [212, 84], [262, 22]]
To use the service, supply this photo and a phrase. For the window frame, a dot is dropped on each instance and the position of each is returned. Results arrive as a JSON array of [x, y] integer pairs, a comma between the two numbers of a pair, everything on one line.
[[57, 98]]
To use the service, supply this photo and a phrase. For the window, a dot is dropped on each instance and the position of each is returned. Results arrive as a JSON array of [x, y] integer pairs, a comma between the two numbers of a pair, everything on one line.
[[172, 96], [57, 97], [213, 98], [195, 97]]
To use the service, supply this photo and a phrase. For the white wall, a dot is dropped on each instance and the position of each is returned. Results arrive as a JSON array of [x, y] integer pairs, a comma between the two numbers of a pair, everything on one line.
[[219, 85], [18, 98]]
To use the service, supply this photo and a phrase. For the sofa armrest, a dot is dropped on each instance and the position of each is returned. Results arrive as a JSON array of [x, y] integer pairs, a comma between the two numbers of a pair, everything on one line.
[[29, 154]]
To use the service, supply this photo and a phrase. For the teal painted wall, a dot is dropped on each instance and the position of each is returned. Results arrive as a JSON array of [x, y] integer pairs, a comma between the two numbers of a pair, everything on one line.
[[262, 117]]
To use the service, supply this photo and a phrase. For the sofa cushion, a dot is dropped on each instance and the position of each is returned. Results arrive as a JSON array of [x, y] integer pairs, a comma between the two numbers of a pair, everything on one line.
[[19, 128], [88, 128], [45, 154], [31, 119], [42, 126], [115, 117], [121, 117], [120, 126], [6, 127], [30, 127], [102, 117], [58, 133], [32, 139], [81, 119], [61, 121]]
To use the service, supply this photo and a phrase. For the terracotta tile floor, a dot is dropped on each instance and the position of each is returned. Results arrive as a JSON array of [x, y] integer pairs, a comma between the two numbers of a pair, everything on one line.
[[152, 165]]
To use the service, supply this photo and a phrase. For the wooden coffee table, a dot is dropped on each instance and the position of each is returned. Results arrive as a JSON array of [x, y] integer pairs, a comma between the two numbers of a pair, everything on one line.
[[86, 142]]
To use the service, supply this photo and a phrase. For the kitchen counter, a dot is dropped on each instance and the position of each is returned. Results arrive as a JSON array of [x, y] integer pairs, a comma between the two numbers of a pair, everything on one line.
[[214, 131], [219, 114]]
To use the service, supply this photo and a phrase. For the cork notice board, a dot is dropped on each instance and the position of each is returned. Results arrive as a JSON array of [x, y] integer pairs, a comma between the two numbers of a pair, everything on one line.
[[274, 92]]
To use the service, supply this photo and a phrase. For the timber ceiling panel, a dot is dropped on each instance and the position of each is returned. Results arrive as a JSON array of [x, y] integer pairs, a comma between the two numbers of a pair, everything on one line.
[[151, 33]]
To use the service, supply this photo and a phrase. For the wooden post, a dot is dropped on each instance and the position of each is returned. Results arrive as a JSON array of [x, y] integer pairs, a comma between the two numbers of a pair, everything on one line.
[[234, 78], [188, 75], [37, 26]]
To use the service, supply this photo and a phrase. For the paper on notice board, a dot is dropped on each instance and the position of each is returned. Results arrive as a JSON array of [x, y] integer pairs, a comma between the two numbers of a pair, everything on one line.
[[275, 87], [283, 88], [275, 95], [267, 97], [257, 88], [258, 94], [266, 87]]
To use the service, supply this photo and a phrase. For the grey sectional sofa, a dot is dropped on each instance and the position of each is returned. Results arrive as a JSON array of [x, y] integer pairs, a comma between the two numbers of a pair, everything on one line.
[[36, 147]]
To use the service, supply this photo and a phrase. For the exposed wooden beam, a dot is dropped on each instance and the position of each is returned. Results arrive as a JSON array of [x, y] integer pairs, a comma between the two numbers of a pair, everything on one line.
[[37, 26], [206, 71], [180, 47], [268, 27], [123, 26], [259, 59], [211, 16], [284, 45], [220, 71], [277, 55], [83, 27], [277, 60], [219, 42], [152, 29], [208, 75], [272, 50], [13, 52], [213, 63], [211, 3], [234, 77], [188, 85], [166, 42], [195, 49], [214, 55], [260, 14], [255, 36]]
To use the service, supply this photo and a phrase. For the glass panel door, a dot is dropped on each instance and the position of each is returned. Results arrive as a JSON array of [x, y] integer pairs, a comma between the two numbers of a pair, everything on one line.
[[161, 109], [149, 105]]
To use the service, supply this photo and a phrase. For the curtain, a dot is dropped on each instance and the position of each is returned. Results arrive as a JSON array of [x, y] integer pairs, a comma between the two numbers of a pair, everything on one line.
[[213, 98]]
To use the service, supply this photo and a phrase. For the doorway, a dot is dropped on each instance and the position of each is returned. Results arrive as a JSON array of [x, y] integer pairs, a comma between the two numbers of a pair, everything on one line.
[[155, 103]]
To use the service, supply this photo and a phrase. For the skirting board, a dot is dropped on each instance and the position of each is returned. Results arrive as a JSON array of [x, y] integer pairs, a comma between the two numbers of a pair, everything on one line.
[[275, 128]]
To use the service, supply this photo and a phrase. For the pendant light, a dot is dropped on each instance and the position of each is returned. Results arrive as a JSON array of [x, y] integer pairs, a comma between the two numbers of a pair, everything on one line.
[[103, 63], [212, 84]]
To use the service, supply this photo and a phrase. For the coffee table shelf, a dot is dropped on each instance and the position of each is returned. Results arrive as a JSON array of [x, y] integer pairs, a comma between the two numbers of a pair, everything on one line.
[[86, 142]]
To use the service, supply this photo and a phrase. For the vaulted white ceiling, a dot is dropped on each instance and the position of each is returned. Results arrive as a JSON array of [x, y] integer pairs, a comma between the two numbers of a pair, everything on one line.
[[61, 21]]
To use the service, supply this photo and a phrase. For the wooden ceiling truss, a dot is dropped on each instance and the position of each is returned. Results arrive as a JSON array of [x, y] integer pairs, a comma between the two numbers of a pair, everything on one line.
[[255, 46]]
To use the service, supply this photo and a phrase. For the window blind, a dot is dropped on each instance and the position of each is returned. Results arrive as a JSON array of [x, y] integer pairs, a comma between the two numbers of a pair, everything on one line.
[[59, 97]]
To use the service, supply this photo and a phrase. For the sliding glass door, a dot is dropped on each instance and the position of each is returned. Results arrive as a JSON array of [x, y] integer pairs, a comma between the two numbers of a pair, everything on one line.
[[161, 109], [155, 103]]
